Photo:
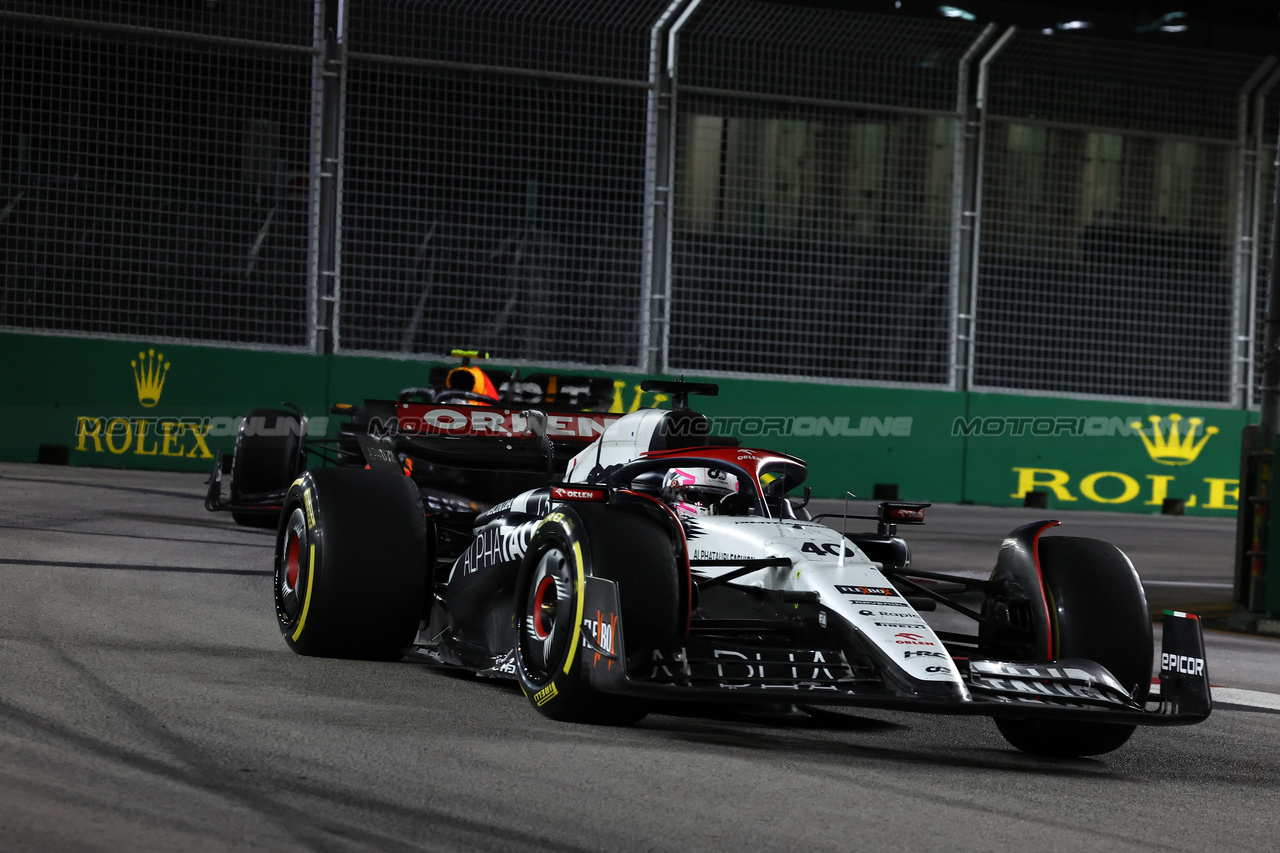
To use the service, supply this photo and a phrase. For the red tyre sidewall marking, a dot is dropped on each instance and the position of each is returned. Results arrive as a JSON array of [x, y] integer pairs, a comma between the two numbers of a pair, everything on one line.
[[291, 561], [543, 585]]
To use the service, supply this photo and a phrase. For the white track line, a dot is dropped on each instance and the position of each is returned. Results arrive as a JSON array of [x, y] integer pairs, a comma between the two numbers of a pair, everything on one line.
[[1235, 699], [1245, 700]]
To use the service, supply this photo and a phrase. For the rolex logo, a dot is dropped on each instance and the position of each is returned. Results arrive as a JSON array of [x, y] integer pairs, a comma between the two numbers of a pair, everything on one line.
[[148, 374], [1174, 447]]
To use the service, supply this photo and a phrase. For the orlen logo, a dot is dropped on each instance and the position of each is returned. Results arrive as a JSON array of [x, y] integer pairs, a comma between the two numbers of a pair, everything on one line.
[[492, 421], [909, 639], [1181, 663], [559, 493]]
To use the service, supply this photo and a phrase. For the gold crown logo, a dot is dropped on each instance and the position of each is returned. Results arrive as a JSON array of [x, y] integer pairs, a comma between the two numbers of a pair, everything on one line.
[[1174, 448], [619, 405], [149, 376]]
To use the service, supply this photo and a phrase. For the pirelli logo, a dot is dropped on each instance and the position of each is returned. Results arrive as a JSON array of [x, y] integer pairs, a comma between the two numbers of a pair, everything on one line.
[[545, 695]]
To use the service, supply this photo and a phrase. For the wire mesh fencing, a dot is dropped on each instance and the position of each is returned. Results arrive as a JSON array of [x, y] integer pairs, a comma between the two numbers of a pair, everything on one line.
[[1109, 223], [814, 194], [494, 171], [155, 170], [726, 187]]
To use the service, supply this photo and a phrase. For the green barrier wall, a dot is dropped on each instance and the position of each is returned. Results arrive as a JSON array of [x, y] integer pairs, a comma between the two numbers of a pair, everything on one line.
[[140, 405], [1086, 454], [852, 437], [126, 404]]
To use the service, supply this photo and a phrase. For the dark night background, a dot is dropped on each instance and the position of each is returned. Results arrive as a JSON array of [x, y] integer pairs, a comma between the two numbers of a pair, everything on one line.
[[1236, 27]]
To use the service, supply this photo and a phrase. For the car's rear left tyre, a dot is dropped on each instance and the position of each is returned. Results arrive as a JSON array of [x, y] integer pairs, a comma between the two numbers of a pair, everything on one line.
[[1097, 611], [351, 564], [267, 457]]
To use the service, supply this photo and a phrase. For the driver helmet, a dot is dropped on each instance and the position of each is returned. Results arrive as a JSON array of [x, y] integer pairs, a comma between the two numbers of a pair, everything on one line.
[[697, 491], [470, 379]]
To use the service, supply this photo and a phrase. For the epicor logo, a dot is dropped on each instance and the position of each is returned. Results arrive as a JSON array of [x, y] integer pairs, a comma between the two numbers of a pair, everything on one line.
[[1181, 663]]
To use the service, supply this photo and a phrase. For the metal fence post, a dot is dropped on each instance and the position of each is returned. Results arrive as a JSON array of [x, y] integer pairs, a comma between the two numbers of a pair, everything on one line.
[[1241, 304], [662, 350], [1258, 194], [655, 281], [980, 112], [1264, 592], [327, 283], [964, 215]]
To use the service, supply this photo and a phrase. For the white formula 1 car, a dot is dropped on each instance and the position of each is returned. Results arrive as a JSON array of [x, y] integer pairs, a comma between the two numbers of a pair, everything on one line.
[[663, 564]]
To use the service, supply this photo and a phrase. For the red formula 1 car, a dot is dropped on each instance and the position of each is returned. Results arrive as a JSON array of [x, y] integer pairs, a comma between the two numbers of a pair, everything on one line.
[[658, 563], [274, 446]]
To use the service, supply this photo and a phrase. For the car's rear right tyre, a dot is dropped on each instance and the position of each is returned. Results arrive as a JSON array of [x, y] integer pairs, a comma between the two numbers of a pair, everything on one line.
[[351, 564]]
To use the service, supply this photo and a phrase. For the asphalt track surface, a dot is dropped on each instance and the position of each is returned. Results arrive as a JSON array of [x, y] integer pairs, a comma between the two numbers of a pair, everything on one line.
[[147, 702]]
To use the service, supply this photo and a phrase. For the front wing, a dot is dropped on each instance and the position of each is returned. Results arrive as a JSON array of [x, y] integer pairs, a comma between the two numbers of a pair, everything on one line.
[[724, 669]]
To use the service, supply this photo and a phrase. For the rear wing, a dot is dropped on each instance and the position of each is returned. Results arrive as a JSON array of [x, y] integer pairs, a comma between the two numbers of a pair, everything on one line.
[[493, 438], [542, 389]]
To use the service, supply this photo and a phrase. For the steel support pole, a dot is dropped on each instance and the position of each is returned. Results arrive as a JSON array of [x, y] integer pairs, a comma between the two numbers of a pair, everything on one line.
[[1249, 592], [975, 214], [655, 285], [1240, 308], [964, 179], [327, 225], [1264, 589], [1257, 195]]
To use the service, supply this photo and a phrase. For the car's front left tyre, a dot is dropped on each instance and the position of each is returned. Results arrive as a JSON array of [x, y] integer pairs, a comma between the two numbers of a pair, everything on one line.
[[1097, 611], [565, 551]]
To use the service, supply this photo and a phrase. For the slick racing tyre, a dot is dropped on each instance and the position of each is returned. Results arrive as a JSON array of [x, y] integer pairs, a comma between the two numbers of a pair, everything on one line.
[[267, 457], [570, 546], [351, 564], [1097, 611]]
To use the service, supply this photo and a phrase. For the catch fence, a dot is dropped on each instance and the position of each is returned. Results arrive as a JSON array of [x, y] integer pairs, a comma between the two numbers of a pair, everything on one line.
[[713, 187]]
